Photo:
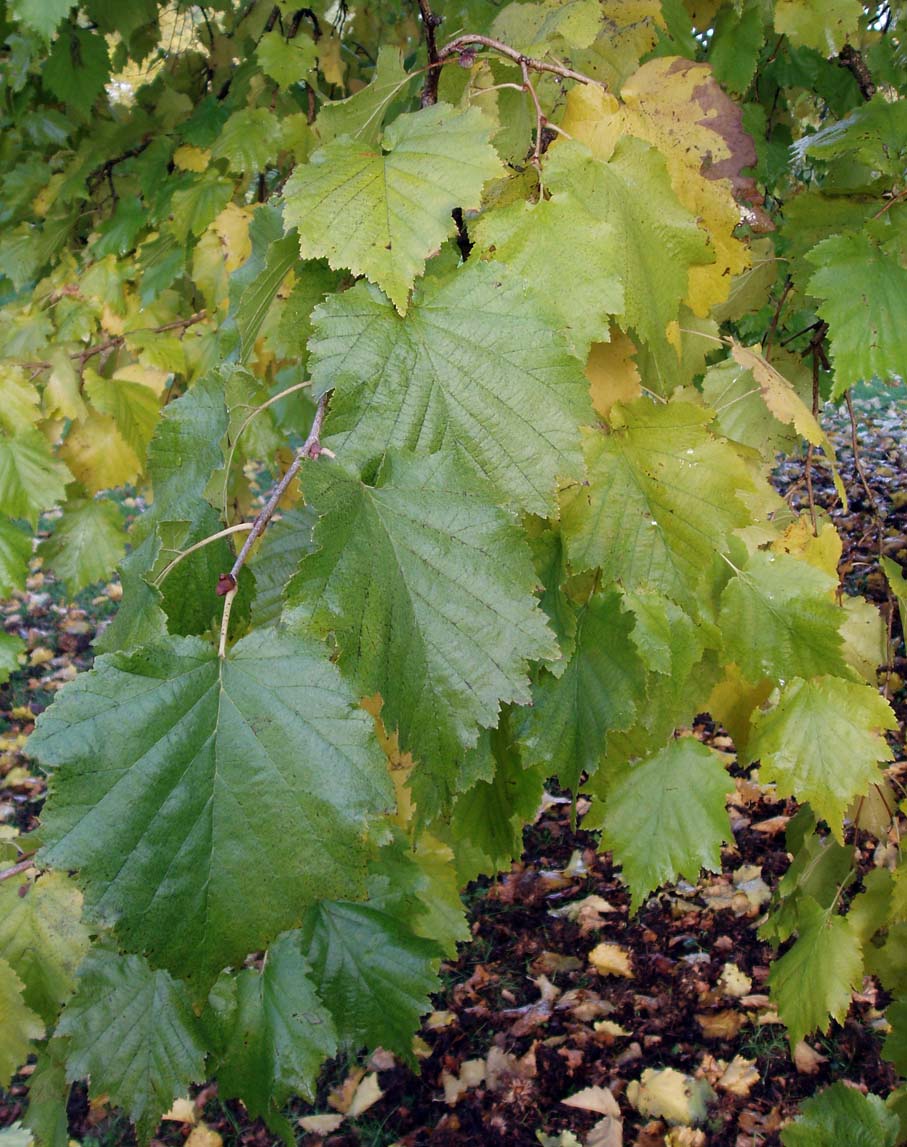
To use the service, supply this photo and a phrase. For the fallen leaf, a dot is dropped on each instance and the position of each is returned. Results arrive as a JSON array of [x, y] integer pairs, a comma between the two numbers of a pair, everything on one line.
[[733, 983], [598, 1099], [531, 1015], [608, 1132], [721, 1025], [586, 912], [772, 826], [438, 1020], [472, 1074], [553, 963], [685, 1137], [182, 1111], [320, 1124], [366, 1095], [609, 1027], [806, 1059], [739, 1076], [611, 960], [669, 1094], [203, 1136]]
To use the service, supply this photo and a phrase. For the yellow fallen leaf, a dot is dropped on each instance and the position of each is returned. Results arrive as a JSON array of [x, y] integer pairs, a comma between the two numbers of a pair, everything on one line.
[[666, 1093], [182, 1111], [611, 960], [438, 1020], [203, 1136], [609, 1027], [472, 1073], [320, 1124], [40, 656], [734, 983], [721, 1025], [366, 1095], [598, 1099]]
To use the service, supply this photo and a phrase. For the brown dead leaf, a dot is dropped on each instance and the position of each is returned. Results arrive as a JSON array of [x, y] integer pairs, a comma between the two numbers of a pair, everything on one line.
[[587, 913], [503, 1069], [531, 1015], [772, 826], [806, 1059], [739, 1076], [553, 964]]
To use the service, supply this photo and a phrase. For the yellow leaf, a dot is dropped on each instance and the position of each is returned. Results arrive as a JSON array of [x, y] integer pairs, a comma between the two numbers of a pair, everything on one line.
[[611, 960], [188, 158], [678, 107], [203, 1136], [739, 1076], [631, 30], [734, 983], [669, 1094], [182, 1111], [721, 1025], [232, 226], [320, 1124], [330, 63], [597, 1099], [733, 702], [62, 398], [98, 455], [823, 552], [40, 656], [613, 375]]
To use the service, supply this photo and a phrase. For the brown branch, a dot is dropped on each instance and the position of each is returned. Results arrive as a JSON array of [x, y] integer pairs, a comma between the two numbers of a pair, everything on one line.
[[463, 43], [82, 356], [853, 61], [773, 325], [810, 449], [17, 869], [311, 448], [430, 22]]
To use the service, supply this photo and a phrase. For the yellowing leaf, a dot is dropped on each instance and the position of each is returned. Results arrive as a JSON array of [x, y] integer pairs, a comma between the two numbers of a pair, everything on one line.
[[611, 960], [188, 158], [705, 151], [669, 1094], [612, 373], [821, 24], [98, 455]]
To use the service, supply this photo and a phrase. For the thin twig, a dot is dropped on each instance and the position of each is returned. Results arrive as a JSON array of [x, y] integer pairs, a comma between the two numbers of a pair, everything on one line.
[[540, 119], [311, 448], [225, 623], [17, 869], [430, 22], [463, 43], [773, 325], [241, 528], [811, 448], [82, 356]]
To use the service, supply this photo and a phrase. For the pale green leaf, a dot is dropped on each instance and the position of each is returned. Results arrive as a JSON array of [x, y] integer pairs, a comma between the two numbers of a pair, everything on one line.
[[842, 1114], [275, 1033], [42, 16], [159, 758], [669, 641], [532, 27], [198, 203], [666, 817], [18, 1024], [20, 406], [86, 543], [248, 139], [427, 587], [132, 1030], [779, 620], [283, 547], [822, 743], [824, 25], [470, 366], [898, 583], [286, 61], [134, 408], [31, 479], [373, 973], [11, 647], [600, 691], [661, 501], [895, 1046], [48, 1094], [396, 200], [826, 955], [42, 936]]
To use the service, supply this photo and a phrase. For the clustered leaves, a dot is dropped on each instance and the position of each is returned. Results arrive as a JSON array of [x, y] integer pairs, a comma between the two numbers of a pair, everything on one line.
[[561, 313]]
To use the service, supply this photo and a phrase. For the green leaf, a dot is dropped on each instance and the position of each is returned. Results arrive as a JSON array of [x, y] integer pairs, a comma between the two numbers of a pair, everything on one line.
[[896, 580], [470, 366], [374, 975], [20, 1024], [863, 293], [824, 25], [77, 68], [198, 204], [86, 544], [31, 479], [532, 27], [42, 16], [161, 754], [397, 199], [361, 117], [666, 817], [736, 42], [842, 1114], [895, 1047], [283, 547], [15, 551], [779, 620], [600, 691], [661, 500], [615, 232], [262, 274], [48, 1094], [132, 1030], [826, 955], [248, 139], [669, 641], [275, 1032], [874, 134], [286, 61], [140, 618], [427, 586], [134, 408], [42, 936], [822, 744]]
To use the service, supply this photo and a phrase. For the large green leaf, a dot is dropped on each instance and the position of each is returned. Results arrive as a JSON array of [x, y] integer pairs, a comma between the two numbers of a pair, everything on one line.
[[661, 500], [41, 16], [841, 1114], [273, 1030], [615, 232], [822, 743], [361, 116], [175, 769], [393, 203], [15, 550], [373, 973], [778, 619], [42, 936], [471, 366], [427, 586], [132, 1030], [863, 288], [600, 690], [666, 816], [825, 956]]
